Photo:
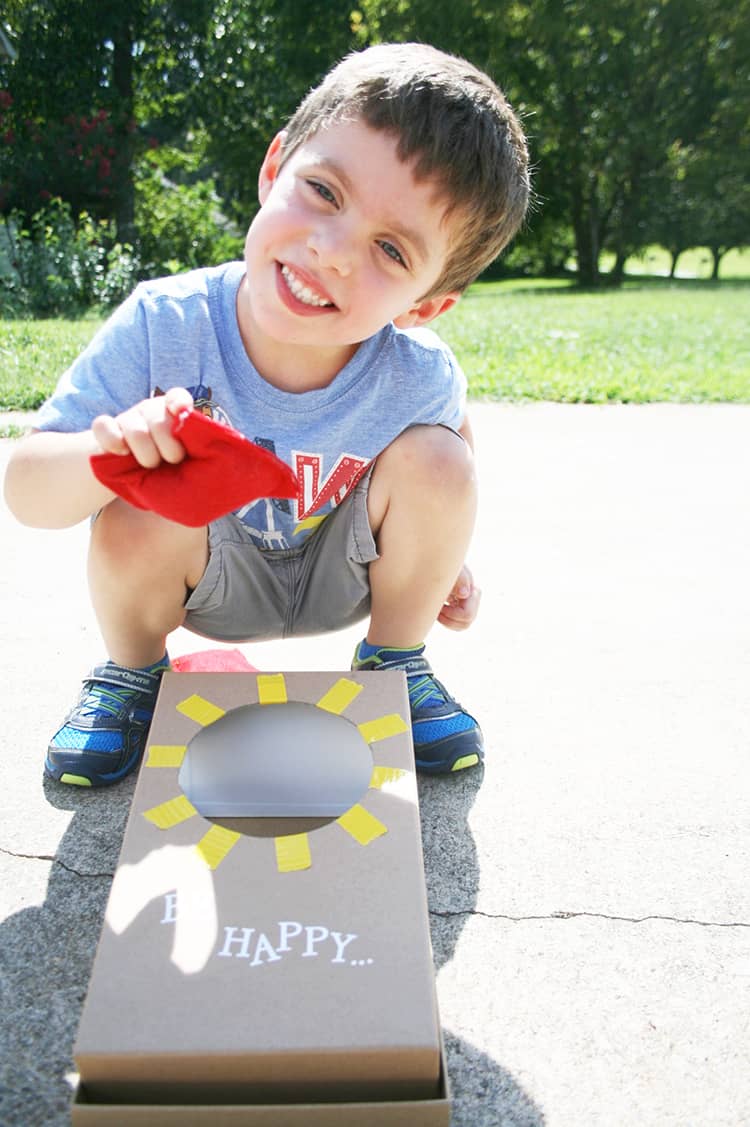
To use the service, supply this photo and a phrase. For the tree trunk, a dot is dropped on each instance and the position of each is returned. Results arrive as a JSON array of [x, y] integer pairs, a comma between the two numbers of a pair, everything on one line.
[[123, 81], [586, 229], [718, 253], [618, 270]]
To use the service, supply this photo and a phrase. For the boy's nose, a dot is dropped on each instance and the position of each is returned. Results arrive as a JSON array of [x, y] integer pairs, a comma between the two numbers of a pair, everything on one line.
[[332, 249]]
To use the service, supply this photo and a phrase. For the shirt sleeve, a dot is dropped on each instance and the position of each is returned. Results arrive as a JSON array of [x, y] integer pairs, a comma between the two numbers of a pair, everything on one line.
[[110, 375], [442, 380]]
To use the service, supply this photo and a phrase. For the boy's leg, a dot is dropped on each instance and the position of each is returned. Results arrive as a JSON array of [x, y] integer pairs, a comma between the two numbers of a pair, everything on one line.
[[422, 505], [141, 567], [140, 570]]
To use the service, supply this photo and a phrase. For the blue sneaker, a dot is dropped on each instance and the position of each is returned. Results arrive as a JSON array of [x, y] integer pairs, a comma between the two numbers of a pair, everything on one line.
[[103, 736], [446, 738]]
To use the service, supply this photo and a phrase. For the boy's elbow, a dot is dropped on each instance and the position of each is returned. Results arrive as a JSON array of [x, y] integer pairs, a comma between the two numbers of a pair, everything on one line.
[[21, 489], [16, 492]]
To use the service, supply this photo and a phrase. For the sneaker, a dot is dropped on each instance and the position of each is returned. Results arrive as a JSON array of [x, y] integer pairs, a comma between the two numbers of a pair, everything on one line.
[[103, 736], [446, 738]]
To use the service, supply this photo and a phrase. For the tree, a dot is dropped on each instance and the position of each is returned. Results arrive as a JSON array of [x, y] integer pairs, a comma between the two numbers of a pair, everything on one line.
[[606, 91], [260, 58], [82, 92]]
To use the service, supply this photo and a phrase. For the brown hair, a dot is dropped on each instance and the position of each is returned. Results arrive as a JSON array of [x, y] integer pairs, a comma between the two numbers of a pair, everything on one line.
[[452, 122]]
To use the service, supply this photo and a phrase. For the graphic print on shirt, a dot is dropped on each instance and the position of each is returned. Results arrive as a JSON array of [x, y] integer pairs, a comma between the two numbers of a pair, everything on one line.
[[267, 535], [203, 402], [315, 491], [274, 521]]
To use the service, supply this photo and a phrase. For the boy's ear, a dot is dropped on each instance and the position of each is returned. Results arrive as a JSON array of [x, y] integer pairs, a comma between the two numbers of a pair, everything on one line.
[[269, 169], [427, 310]]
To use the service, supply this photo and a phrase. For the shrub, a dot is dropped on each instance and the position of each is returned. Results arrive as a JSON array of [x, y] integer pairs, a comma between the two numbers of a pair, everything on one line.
[[180, 225], [56, 265]]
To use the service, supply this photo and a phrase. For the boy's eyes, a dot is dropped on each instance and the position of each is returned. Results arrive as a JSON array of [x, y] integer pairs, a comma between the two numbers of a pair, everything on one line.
[[392, 252], [324, 192]]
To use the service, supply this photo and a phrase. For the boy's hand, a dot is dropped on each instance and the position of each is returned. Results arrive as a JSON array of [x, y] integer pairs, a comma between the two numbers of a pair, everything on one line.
[[461, 606], [145, 431]]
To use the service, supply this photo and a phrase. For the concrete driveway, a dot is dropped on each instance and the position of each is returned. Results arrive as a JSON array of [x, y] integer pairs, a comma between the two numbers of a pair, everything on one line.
[[589, 893]]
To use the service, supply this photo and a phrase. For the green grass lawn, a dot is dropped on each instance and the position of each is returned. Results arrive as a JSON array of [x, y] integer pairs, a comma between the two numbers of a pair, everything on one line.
[[34, 353], [651, 341], [654, 340]]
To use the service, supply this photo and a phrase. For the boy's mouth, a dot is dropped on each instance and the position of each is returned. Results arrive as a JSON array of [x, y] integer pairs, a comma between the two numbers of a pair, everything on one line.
[[303, 292]]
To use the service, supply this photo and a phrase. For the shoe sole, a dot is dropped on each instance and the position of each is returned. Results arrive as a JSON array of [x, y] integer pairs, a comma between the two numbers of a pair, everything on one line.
[[60, 775], [461, 763]]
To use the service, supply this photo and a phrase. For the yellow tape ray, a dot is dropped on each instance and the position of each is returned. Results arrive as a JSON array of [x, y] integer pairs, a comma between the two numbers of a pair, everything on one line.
[[293, 853], [360, 824], [171, 812], [165, 755], [383, 775], [271, 688], [214, 845], [340, 696], [383, 727], [199, 709]]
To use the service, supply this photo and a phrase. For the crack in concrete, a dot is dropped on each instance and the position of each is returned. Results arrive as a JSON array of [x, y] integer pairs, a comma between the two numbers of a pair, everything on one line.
[[446, 915], [561, 915], [55, 861]]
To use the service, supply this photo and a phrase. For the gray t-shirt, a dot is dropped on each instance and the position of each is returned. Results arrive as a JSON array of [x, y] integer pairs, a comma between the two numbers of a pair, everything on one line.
[[182, 332]]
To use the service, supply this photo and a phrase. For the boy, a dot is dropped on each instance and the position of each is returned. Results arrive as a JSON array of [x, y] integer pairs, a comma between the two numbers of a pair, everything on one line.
[[396, 182]]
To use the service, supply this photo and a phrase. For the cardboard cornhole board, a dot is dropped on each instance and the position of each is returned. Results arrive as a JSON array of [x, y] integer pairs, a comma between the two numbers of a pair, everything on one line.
[[268, 970]]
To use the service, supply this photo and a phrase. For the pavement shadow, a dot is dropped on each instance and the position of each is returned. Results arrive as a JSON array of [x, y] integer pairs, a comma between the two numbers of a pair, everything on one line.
[[484, 1093], [46, 954]]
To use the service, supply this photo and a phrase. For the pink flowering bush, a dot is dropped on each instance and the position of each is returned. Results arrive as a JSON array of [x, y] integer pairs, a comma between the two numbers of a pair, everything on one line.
[[81, 158]]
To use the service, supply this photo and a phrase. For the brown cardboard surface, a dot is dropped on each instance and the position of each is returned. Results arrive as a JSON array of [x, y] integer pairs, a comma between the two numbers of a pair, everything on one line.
[[268, 967], [403, 1113]]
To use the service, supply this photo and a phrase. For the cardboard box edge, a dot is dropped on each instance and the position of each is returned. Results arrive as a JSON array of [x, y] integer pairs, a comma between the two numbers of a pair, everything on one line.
[[435, 1112]]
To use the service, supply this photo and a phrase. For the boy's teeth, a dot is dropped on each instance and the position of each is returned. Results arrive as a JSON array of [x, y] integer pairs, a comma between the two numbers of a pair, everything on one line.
[[302, 292]]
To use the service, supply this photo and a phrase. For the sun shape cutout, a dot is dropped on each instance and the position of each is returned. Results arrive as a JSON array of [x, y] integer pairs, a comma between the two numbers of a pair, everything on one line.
[[292, 850]]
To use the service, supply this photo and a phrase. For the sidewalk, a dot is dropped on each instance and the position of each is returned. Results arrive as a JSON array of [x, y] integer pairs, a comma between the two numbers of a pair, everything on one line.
[[589, 896]]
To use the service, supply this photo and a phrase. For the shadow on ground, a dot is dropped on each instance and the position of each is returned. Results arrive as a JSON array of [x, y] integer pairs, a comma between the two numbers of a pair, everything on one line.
[[484, 1093], [46, 953]]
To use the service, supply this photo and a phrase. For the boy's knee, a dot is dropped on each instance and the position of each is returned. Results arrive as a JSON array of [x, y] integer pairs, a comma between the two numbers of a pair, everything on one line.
[[434, 456], [431, 462], [122, 533]]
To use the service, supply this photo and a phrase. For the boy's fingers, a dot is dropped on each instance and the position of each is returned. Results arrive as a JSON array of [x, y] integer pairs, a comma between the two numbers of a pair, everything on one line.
[[178, 399], [458, 614], [169, 448], [139, 434], [452, 619], [108, 434], [145, 431]]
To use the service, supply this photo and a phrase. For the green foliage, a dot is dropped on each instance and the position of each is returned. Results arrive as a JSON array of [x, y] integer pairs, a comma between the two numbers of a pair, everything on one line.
[[56, 265], [637, 111], [179, 225], [85, 91], [77, 156], [262, 57], [606, 92]]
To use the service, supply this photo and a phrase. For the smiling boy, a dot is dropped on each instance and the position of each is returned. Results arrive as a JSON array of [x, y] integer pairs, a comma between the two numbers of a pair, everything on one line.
[[394, 184]]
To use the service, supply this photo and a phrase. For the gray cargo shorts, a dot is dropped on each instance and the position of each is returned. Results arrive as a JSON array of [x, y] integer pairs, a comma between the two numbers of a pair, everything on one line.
[[249, 593]]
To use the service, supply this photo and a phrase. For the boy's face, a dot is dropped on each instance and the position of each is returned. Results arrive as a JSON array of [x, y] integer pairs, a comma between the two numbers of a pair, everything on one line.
[[346, 240]]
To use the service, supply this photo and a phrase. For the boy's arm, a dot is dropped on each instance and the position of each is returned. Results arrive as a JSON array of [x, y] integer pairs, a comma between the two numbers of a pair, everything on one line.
[[462, 605], [49, 482]]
